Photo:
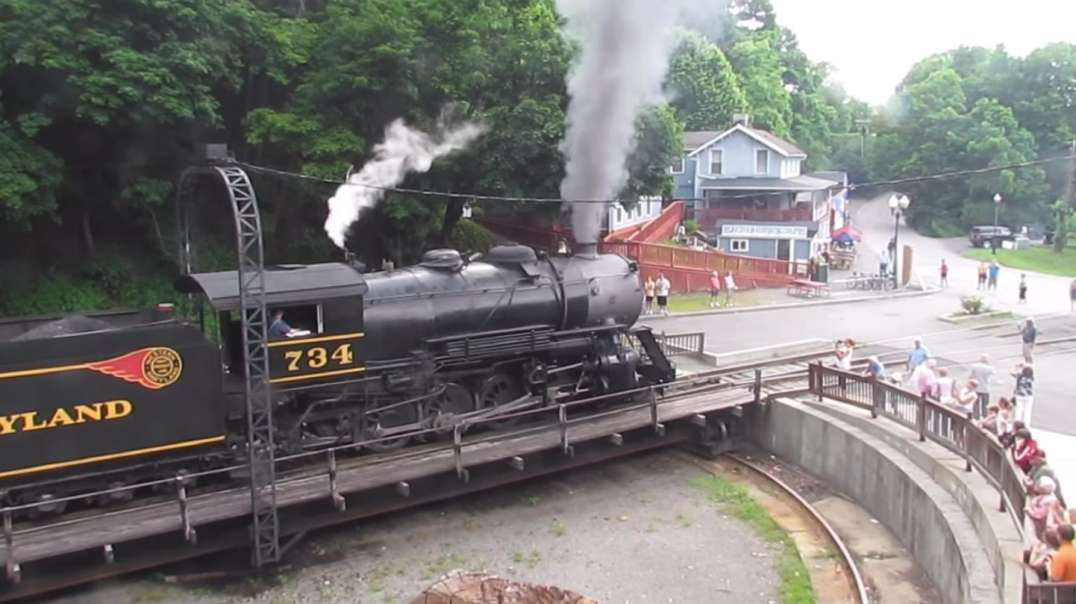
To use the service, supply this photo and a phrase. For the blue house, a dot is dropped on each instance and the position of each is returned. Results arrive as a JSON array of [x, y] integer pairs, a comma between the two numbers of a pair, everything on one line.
[[745, 188]]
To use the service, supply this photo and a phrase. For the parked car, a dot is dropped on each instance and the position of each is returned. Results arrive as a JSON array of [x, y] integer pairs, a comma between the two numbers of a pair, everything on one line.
[[982, 236]]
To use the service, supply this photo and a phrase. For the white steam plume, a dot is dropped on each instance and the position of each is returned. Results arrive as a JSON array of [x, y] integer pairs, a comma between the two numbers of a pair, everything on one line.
[[403, 151], [624, 55]]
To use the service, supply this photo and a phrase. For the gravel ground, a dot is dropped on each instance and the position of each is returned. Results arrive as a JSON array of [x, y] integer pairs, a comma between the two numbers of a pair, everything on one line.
[[630, 531]]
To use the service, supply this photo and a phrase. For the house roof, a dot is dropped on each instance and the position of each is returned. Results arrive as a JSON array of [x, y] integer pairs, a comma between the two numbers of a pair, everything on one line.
[[283, 285], [795, 183], [698, 140]]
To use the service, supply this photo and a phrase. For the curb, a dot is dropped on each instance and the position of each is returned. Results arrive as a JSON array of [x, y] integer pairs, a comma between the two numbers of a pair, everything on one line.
[[765, 307]]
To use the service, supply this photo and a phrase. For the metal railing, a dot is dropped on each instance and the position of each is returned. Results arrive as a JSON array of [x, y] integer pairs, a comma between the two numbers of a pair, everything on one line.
[[951, 429], [676, 344]]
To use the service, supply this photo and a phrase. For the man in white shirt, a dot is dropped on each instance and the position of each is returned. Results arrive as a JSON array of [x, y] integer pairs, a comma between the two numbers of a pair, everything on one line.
[[663, 287]]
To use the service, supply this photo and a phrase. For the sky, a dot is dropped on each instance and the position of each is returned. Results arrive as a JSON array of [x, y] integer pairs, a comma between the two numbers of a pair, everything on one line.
[[872, 43]]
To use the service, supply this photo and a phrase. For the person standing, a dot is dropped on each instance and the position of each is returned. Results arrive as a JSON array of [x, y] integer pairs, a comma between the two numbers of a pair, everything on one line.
[[883, 263], [1023, 288], [944, 272], [918, 354], [1072, 295], [1023, 392], [1063, 565], [1029, 333], [648, 292], [715, 289], [984, 268], [662, 290], [981, 372], [730, 286], [992, 275]]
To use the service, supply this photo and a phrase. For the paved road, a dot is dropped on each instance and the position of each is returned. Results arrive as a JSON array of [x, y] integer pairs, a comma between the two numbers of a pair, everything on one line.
[[1046, 293]]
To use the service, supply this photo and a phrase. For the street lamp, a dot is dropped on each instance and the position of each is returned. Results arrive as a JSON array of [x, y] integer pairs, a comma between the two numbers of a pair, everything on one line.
[[994, 238], [897, 205]]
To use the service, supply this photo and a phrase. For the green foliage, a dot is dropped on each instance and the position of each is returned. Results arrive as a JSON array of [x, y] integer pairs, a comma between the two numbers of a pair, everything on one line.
[[758, 64], [1041, 259], [704, 89], [972, 305], [734, 499]]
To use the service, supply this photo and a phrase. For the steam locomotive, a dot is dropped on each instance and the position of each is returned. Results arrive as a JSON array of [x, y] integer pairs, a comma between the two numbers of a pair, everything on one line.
[[95, 402]]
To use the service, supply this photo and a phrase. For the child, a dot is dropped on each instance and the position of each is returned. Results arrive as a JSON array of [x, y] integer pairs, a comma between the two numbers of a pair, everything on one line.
[[715, 289], [648, 289]]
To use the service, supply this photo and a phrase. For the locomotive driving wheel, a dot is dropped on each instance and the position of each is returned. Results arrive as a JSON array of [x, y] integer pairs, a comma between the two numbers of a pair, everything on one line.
[[376, 425], [456, 400], [499, 389]]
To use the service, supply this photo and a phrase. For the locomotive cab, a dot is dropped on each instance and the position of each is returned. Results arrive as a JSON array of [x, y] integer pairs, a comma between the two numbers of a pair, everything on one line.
[[321, 303]]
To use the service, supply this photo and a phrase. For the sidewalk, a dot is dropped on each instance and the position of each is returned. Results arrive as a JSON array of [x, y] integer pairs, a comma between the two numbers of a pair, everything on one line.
[[762, 299]]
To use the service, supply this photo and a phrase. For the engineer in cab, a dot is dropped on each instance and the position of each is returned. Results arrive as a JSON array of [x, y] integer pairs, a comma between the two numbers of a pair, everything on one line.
[[279, 328]]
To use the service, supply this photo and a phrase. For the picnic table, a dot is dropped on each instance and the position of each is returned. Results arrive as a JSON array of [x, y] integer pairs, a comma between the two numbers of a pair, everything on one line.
[[808, 288]]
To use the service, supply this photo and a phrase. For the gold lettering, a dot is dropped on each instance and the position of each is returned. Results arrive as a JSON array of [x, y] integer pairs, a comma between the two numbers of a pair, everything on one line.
[[7, 424], [60, 418], [117, 409], [30, 422], [88, 412]]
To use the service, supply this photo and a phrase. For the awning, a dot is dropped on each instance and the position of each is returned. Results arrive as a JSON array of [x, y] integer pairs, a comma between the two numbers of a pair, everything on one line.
[[283, 285], [847, 234]]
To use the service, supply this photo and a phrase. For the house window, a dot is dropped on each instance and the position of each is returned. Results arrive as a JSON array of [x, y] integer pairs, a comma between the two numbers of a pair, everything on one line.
[[715, 162], [738, 245], [762, 161], [677, 166]]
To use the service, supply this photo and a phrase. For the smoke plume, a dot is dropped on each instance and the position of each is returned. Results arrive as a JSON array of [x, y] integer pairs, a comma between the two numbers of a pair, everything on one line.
[[624, 54], [403, 151]]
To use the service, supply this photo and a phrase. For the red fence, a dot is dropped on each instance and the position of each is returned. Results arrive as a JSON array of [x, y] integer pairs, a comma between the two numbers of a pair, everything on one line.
[[540, 238], [662, 227], [708, 217], [689, 270]]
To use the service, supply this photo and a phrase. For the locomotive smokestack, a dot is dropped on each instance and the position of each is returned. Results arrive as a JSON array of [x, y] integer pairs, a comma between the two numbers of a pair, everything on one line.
[[586, 250]]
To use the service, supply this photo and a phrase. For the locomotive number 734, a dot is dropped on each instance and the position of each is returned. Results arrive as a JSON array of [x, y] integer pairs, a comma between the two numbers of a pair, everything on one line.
[[299, 359], [318, 356]]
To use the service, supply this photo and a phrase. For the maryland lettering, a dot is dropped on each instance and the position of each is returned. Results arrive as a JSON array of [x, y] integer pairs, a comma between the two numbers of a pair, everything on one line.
[[79, 414]]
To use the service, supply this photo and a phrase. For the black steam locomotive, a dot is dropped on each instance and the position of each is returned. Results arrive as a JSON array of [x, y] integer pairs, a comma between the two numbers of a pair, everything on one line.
[[93, 402]]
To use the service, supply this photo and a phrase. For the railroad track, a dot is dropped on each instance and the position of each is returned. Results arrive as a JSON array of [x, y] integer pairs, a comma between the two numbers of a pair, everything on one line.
[[160, 531], [849, 581]]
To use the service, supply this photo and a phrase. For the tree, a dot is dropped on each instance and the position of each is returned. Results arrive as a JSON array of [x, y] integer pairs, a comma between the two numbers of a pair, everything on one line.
[[704, 89], [112, 93], [761, 74], [657, 142]]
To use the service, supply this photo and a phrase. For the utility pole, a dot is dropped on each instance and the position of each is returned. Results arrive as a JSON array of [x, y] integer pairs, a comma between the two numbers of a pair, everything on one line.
[[1070, 189]]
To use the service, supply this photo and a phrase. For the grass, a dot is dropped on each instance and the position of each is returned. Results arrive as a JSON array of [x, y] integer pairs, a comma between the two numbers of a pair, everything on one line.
[[1039, 259], [701, 301], [559, 529], [735, 500], [531, 560]]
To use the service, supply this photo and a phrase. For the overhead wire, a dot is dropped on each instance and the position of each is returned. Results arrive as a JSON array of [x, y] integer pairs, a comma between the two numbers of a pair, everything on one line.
[[523, 199]]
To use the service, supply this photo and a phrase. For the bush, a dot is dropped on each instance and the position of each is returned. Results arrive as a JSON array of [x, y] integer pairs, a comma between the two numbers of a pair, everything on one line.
[[691, 226], [972, 305]]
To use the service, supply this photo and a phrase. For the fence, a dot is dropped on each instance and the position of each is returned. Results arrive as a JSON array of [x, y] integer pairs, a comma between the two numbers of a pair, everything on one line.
[[671, 256], [662, 227], [952, 430], [675, 344], [708, 217]]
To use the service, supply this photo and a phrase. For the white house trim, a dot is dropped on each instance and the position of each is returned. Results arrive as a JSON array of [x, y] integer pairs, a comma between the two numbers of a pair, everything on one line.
[[755, 137]]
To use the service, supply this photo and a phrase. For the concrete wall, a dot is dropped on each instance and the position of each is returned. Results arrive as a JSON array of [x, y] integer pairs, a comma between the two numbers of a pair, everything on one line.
[[919, 511]]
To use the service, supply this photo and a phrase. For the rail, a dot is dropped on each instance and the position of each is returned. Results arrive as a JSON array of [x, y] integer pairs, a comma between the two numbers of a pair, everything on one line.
[[953, 430]]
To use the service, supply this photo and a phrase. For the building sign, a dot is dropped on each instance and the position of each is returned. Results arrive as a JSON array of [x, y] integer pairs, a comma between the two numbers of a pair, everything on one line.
[[757, 231]]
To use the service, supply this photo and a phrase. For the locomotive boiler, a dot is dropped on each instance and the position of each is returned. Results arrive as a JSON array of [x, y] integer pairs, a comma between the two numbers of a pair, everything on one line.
[[384, 356]]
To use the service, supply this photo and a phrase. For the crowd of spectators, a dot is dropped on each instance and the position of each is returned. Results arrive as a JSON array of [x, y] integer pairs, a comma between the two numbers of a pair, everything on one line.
[[1053, 554]]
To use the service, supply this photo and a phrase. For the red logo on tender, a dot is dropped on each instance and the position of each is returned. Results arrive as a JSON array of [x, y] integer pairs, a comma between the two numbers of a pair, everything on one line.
[[151, 368]]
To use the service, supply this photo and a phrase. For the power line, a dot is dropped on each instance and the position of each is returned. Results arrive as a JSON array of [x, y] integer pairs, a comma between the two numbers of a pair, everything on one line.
[[512, 199]]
